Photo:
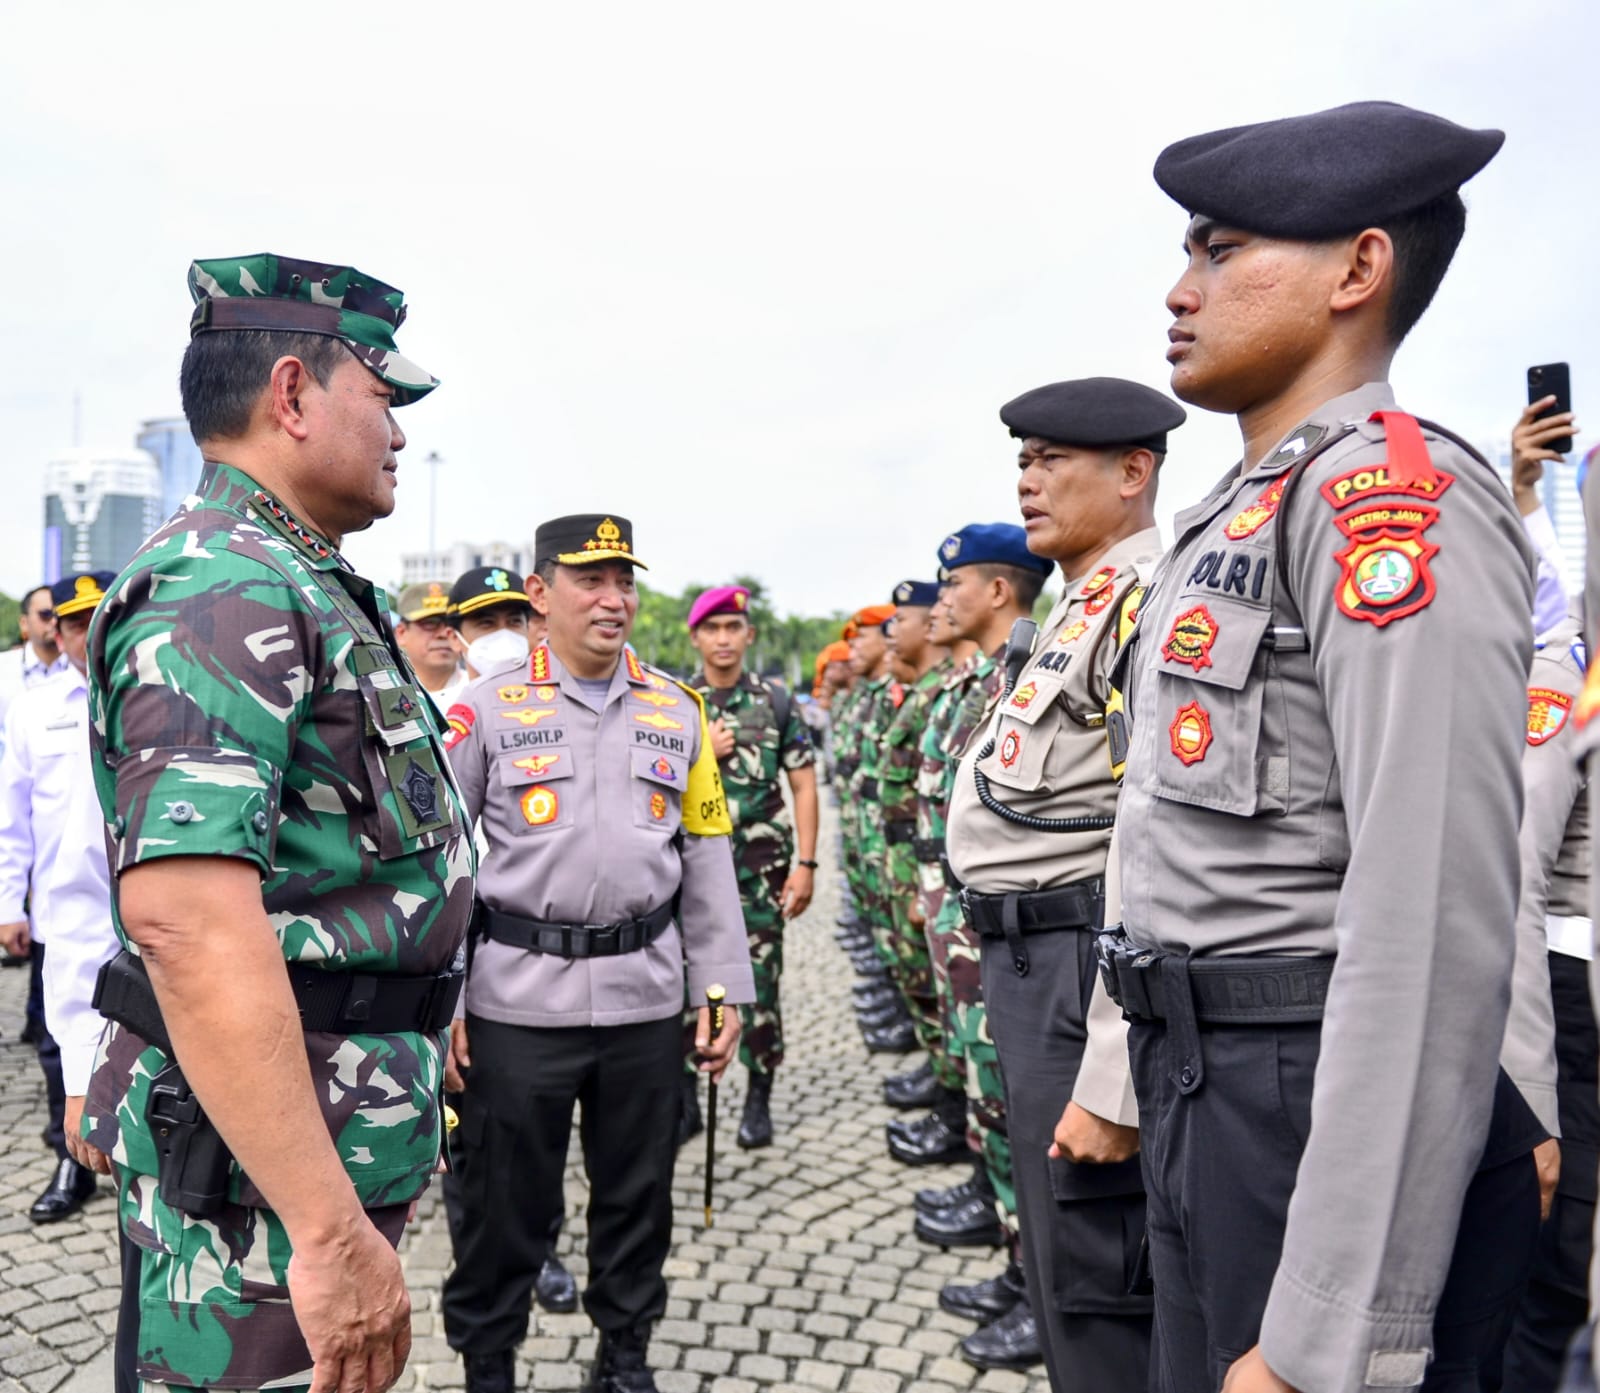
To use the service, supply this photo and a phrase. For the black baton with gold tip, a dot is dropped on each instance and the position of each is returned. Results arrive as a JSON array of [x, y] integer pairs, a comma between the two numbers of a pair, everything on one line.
[[715, 994]]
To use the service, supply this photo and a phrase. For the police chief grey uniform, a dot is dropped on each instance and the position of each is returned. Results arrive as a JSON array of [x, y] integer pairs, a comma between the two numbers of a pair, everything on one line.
[[1552, 1047], [1318, 843], [1027, 833], [609, 879]]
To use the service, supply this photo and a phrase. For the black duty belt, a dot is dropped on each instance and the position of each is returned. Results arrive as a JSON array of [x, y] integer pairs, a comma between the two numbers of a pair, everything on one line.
[[900, 833], [869, 790], [572, 940], [1016, 913], [1221, 991], [928, 850], [951, 880]]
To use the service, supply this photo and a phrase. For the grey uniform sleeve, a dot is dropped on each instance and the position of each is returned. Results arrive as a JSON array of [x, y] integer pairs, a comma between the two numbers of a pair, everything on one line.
[[1426, 712], [1552, 781], [468, 761]]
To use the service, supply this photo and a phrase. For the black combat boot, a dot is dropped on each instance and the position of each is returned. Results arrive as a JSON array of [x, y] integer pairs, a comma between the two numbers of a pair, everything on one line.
[[690, 1123], [554, 1288], [619, 1364], [491, 1373], [931, 1200], [985, 1301], [755, 1127], [932, 1140], [973, 1222], [1012, 1342], [896, 1038], [916, 1089]]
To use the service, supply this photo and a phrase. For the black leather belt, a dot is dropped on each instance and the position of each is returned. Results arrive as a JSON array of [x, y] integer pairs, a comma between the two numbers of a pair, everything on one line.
[[899, 833], [572, 940], [951, 880], [1075, 906], [928, 850], [1223, 991]]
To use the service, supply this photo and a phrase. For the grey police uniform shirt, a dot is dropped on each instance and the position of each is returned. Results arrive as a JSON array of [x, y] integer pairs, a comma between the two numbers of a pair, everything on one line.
[[581, 809], [1588, 740], [1553, 912], [1050, 759], [1328, 690]]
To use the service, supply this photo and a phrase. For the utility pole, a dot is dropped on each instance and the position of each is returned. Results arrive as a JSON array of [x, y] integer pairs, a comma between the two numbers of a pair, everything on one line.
[[433, 462]]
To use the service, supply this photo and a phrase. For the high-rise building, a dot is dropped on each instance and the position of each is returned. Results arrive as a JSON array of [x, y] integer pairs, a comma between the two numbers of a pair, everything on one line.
[[449, 562], [98, 509], [177, 456], [1558, 491]]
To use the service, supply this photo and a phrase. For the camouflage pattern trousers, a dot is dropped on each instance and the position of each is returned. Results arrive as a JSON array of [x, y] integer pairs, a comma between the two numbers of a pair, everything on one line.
[[913, 966], [205, 1302], [959, 981], [761, 1037]]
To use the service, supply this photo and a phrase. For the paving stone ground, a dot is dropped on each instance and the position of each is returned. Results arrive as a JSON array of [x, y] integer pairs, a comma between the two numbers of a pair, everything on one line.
[[809, 1282]]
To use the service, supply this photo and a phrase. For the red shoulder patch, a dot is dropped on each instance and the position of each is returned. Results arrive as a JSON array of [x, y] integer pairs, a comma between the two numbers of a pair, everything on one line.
[[1100, 599], [1103, 576], [1384, 570], [1250, 520], [1547, 713], [459, 721], [1193, 633]]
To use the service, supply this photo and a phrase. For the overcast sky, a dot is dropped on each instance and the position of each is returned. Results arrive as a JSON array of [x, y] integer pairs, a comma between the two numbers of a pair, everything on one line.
[[757, 277]]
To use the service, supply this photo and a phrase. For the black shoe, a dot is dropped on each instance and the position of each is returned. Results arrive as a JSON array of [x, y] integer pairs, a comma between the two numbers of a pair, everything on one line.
[[949, 1107], [620, 1367], [865, 995], [690, 1123], [32, 1031], [66, 1193], [1012, 1342], [491, 1373], [755, 1127], [931, 1201], [898, 1038], [916, 1089], [931, 1142], [887, 1012], [554, 1288], [971, 1224], [985, 1301], [869, 969]]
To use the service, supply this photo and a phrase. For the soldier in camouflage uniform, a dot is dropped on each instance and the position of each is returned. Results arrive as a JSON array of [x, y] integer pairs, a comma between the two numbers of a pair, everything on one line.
[[274, 792], [923, 666], [757, 734], [992, 580]]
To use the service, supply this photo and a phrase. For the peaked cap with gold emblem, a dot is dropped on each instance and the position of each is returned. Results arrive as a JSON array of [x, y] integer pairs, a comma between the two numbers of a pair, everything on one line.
[[584, 539], [427, 599], [80, 591]]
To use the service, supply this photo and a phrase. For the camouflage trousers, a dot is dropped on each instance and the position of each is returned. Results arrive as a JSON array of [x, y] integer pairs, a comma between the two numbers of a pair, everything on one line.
[[212, 1294], [970, 1042], [761, 1032], [913, 966]]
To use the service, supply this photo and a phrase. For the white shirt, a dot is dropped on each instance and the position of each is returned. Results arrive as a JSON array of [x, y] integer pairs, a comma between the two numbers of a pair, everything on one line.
[[46, 754], [78, 890], [20, 668], [445, 697]]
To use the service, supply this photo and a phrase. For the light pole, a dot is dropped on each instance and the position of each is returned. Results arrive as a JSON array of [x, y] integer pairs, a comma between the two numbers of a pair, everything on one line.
[[433, 462]]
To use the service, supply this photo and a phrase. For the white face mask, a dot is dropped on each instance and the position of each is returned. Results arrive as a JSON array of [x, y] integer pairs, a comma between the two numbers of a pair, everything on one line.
[[497, 652]]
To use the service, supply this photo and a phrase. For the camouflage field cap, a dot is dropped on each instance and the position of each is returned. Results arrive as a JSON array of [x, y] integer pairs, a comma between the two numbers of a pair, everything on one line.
[[309, 297]]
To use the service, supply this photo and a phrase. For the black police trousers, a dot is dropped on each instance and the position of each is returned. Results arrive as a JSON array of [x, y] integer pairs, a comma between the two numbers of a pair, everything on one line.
[[1082, 1225], [55, 1090], [511, 1152], [1220, 1166], [1556, 1303]]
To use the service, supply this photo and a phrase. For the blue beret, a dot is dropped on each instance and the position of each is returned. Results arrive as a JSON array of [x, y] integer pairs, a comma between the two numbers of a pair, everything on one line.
[[1325, 174], [992, 544], [1095, 411], [916, 592]]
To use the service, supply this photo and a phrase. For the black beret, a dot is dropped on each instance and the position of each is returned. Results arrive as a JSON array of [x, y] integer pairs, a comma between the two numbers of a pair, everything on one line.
[[916, 593], [1333, 172], [1095, 411]]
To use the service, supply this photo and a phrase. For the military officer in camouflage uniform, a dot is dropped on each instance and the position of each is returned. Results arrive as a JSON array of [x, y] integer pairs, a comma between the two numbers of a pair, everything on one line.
[[1318, 825], [608, 886], [292, 866], [756, 734]]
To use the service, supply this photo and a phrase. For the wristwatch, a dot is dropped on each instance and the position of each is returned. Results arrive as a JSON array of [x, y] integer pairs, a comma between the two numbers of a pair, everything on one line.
[[809, 865]]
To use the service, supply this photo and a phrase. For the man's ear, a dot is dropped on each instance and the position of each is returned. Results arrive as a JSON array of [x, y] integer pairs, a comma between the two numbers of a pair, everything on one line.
[[288, 380], [1138, 468], [1366, 271], [538, 594]]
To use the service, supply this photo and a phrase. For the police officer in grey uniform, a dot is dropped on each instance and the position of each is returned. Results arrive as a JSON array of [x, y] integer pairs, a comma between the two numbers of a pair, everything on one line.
[[1318, 826], [608, 883], [1029, 824]]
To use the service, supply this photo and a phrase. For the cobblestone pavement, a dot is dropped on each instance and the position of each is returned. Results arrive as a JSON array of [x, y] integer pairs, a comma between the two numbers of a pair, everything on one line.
[[809, 1280]]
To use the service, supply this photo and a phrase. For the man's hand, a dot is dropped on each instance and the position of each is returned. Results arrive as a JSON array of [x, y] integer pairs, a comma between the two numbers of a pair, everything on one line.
[[1249, 1374], [350, 1303], [1547, 1160], [80, 1150], [715, 1057], [458, 1058], [1530, 440], [1083, 1137], [721, 739], [796, 894], [15, 938]]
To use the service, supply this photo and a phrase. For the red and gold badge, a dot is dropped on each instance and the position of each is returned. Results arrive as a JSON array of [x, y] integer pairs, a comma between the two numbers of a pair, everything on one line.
[[1589, 697], [1102, 577], [1252, 519], [635, 669], [660, 722], [459, 720], [540, 806], [1384, 572], [1010, 749], [658, 806], [539, 665], [513, 696], [1022, 698], [1547, 713], [530, 715], [1100, 599], [1191, 733], [657, 699], [536, 764], [1193, 633], [1073, 632], [546, 693], [663, 770]]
